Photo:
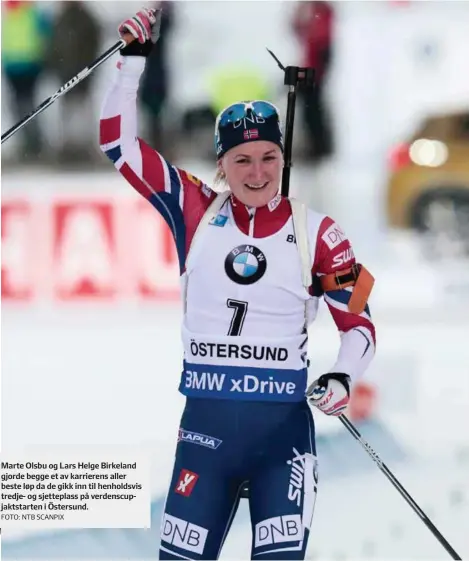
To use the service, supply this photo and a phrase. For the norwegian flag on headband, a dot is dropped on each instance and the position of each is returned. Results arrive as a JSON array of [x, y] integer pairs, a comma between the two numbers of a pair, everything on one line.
[[251, 134]]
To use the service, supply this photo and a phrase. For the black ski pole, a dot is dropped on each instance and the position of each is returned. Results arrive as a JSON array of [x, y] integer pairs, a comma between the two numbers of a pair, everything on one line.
[[387, 472], [68, 86], [295, 76]]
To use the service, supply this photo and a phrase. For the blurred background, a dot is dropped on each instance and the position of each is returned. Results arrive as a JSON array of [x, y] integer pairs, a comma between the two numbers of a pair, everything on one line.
[[90, 290]]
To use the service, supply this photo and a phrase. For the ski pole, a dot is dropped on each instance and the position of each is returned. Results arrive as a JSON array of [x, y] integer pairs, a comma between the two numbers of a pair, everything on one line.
[[128, 38], [387, 472]]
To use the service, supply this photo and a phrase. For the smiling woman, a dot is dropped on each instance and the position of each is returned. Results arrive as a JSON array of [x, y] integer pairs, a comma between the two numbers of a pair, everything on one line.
[[254, 265], [253, 172], [249, 146]]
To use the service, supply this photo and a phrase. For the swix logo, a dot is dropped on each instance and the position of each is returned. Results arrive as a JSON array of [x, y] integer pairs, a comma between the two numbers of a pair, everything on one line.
[[70, 84], [343, 257], [297, 475], [186, 482]]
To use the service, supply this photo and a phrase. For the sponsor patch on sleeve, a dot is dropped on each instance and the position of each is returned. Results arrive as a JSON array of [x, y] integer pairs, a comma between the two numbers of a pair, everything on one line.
[[193, 179], [333, 236]]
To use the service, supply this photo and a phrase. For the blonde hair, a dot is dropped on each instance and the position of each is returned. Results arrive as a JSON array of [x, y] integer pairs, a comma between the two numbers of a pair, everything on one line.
[[219, 182]]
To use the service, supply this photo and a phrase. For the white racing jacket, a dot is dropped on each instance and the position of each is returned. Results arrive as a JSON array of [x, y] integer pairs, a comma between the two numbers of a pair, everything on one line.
[[248, 275]]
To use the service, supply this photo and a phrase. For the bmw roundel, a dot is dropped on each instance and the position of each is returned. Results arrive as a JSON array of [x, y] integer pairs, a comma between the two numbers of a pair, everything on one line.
[[245, 264]]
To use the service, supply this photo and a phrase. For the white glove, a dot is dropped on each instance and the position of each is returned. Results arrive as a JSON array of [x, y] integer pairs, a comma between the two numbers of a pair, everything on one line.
[[330, 393], [143, 26]]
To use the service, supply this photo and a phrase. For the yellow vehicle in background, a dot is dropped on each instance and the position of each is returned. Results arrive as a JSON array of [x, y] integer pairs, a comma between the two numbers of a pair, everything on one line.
[[428, 186]]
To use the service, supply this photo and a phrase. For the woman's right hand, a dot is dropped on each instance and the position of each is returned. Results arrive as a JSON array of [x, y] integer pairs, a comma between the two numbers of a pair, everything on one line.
[[141, 32]]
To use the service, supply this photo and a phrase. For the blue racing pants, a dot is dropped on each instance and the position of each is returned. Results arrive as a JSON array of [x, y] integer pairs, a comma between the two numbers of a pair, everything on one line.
[[223, 446]]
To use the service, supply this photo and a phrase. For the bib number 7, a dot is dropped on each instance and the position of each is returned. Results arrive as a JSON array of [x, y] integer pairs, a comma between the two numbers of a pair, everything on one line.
[[239, 314]]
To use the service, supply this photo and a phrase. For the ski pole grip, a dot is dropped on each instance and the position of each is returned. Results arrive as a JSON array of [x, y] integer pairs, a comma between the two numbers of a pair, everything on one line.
[[128, 38]]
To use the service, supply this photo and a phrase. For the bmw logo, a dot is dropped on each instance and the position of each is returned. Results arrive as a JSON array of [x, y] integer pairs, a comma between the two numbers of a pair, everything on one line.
[[245, 264]]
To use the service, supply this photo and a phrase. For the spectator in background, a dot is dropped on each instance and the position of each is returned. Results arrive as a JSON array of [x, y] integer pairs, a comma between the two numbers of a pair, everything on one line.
[[225, 85], [155, 81], [76, 40], [313, 24], [25, 34], [230, 83]]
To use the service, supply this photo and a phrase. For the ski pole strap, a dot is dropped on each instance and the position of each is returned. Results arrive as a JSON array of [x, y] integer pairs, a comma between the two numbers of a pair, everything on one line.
[[300, 226]]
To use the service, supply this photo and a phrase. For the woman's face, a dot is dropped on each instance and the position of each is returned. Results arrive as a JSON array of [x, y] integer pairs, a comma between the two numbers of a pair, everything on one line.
[[253, 171]]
